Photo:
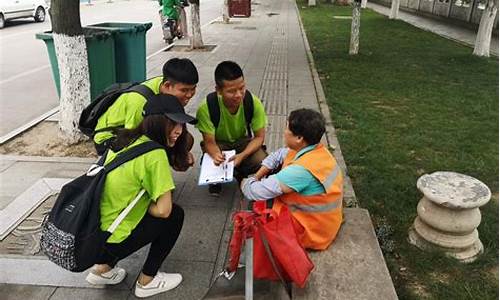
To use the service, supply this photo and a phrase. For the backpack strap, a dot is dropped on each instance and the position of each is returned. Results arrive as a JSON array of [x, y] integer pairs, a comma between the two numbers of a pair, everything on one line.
[[142, 89], [214, 111], [213, 108], [131, 154], [248, 109]]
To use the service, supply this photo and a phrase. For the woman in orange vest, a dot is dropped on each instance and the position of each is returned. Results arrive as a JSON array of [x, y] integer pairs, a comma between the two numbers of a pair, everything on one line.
[[309, 180]]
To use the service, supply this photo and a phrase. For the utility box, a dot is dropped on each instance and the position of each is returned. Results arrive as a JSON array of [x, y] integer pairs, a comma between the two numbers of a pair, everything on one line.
[[239, 8]]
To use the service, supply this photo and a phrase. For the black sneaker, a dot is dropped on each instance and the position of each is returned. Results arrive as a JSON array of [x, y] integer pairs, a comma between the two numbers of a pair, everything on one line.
[[215, 189]]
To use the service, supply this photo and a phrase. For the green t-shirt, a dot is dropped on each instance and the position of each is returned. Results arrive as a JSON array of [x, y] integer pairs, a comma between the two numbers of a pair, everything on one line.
[[126, 111], [169, 10], [231, 127], [150, 171]]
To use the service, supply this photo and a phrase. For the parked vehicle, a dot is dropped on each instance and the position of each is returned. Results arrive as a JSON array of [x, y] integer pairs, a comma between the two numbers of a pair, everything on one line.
[[16, 9], [174, 28]]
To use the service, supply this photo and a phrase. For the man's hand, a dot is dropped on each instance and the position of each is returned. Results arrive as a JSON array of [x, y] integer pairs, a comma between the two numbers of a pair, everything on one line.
[[210, 146], [218, 158], [238, 158]]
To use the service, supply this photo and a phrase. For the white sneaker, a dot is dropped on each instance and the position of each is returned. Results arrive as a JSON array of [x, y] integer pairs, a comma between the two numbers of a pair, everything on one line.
[[113, 276], [162, 282]]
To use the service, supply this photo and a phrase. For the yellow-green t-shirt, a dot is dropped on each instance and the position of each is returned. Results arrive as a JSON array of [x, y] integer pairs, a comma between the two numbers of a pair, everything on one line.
[[231, 127], [150, 171], [126, 111]]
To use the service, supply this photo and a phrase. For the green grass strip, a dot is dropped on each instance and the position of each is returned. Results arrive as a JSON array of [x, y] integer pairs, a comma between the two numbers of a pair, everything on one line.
[[411, 103]]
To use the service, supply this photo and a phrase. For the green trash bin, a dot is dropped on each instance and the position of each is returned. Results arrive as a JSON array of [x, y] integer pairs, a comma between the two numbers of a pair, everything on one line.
[[101, 59], [130, 49]]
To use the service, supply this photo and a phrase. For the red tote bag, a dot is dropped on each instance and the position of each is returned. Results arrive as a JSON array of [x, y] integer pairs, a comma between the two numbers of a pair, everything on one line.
[[281, 234]]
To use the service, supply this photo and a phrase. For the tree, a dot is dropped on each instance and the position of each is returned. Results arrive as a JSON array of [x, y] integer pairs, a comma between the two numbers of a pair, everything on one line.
[[355, 24], [71, 53], [483, 36], [196, 39], [394, 9], [225, 12]]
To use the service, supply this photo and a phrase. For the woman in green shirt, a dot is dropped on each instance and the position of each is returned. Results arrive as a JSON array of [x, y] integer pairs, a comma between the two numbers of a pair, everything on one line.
[[154, 219]]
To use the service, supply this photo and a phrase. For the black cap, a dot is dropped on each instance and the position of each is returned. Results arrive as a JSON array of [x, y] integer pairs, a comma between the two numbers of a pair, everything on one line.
[[168, 105]]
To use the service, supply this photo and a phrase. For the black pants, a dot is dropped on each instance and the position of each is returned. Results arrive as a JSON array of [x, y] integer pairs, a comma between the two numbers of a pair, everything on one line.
[[161, 233]]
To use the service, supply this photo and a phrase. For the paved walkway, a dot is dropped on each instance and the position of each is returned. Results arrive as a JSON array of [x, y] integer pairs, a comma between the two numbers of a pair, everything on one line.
[[463, 35], [271, 49]]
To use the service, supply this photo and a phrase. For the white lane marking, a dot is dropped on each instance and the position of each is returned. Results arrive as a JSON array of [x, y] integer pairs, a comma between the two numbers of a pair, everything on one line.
[[24, 74]]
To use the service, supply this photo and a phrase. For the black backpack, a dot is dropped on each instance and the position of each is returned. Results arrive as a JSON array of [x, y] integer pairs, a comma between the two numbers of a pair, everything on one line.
[[214, 110], [91, 114], [71, 234]]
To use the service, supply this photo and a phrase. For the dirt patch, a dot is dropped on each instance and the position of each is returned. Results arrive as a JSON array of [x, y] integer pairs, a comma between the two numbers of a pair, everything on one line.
[[44, 140], [494, 272], [185, 48], [494, 197]]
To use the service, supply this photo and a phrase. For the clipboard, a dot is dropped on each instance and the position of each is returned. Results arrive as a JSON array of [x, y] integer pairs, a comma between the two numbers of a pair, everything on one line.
[[210, 173]]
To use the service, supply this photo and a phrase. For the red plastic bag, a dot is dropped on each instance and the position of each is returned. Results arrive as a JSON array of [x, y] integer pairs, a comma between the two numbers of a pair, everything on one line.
[[242, 222], [281, 233]]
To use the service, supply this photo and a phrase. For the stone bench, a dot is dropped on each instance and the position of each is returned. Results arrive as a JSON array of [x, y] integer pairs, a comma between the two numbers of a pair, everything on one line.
[[353, 267]]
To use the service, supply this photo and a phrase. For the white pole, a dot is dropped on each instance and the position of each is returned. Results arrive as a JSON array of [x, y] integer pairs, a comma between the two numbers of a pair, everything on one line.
[[249, 269]]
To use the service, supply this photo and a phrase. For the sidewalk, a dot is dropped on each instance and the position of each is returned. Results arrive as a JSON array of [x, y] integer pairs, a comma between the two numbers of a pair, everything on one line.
[[459, 34], [270, 48]]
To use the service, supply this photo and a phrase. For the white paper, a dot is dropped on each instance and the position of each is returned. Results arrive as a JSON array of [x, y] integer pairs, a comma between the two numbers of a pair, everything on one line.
[[210, 173]]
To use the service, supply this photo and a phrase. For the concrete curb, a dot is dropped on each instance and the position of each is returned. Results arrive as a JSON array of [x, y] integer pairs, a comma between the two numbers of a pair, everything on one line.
[[350, 199], [59, 159]]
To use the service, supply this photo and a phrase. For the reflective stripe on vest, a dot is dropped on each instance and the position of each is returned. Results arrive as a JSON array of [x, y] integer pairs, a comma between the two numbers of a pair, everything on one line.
[[331, 178], [314, 207]]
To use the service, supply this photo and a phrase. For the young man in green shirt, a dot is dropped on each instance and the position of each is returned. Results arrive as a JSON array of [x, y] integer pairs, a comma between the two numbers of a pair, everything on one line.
[[231, 132], [179, 79]]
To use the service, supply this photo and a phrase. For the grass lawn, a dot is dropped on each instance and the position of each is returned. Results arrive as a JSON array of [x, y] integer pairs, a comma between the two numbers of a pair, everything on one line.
[[411, 103]]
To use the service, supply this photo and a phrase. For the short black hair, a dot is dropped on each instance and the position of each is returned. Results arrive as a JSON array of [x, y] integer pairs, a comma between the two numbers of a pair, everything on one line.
[[180, 70], [227, 70], [308, 124]]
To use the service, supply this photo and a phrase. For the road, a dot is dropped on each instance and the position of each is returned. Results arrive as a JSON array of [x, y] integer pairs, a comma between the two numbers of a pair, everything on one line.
[[27, 89]]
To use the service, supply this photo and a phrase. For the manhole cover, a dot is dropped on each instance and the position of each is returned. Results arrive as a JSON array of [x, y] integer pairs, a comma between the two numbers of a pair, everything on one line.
[[245, 27], [25, 238]]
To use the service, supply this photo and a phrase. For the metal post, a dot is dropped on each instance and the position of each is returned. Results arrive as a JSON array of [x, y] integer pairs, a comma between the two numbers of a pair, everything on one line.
[[249, 269]]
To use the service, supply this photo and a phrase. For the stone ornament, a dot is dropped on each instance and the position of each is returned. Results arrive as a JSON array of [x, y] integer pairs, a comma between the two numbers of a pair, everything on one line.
[[448, 215]]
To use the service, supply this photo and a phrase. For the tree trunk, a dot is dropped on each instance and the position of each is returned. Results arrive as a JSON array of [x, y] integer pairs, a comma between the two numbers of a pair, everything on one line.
[[363, 3], [196, 39], [225, 12], [312, 3], [483, 36], [394, 9], [71, 53], [356, 16]]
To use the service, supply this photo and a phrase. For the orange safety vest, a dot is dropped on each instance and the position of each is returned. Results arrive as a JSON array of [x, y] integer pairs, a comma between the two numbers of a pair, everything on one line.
[[320, 215]]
